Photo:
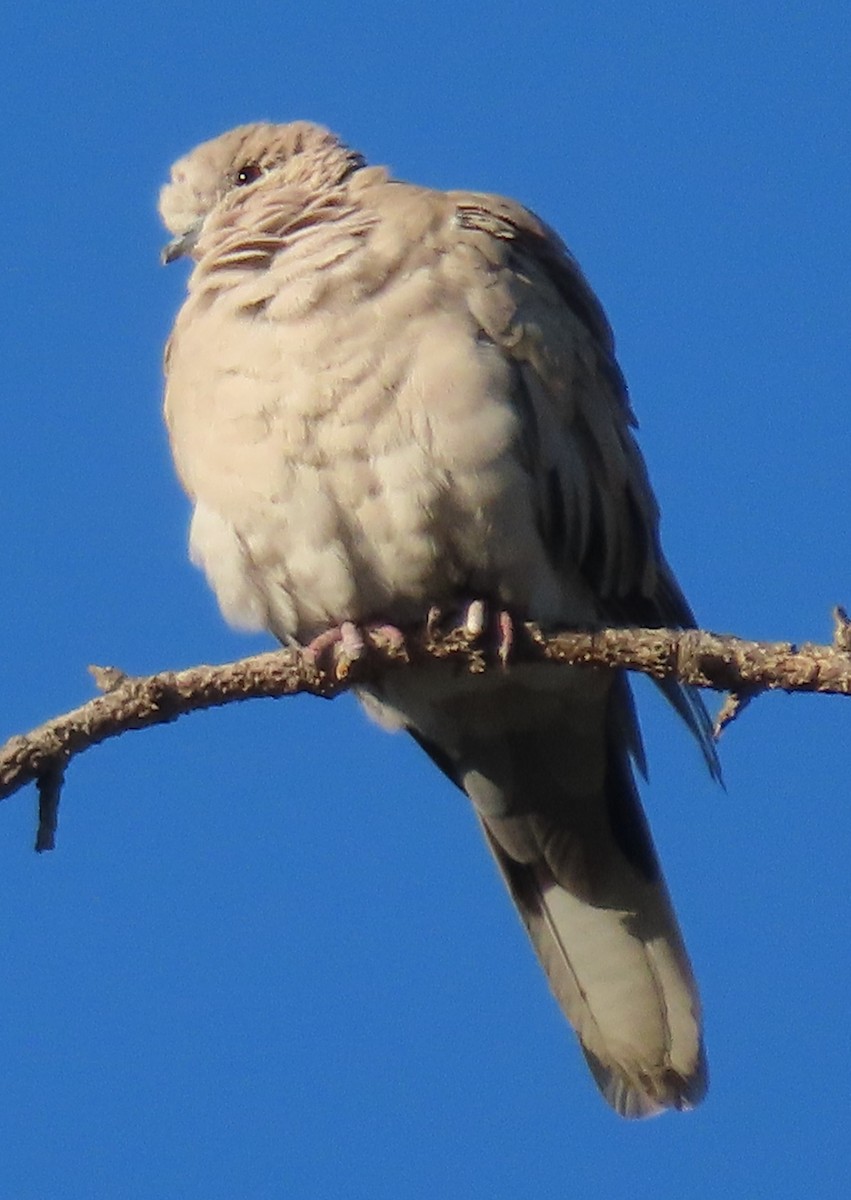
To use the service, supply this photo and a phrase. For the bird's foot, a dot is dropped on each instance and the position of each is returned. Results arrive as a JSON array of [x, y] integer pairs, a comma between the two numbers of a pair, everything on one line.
[[336, 649], [478, 622]]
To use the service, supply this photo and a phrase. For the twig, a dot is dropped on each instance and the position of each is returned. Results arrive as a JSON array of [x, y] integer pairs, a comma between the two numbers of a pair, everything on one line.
[[704, 660], [49, 790]]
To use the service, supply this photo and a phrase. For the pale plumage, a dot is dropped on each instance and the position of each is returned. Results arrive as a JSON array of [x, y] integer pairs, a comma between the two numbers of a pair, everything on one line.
[[383, 397]]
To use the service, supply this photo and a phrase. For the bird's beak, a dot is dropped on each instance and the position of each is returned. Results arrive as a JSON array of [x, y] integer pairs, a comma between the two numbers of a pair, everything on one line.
[[179, 246]]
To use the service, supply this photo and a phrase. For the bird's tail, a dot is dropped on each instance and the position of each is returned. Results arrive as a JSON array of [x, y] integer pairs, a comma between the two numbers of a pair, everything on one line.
[[561, 813], [544, 754], [620, 973]]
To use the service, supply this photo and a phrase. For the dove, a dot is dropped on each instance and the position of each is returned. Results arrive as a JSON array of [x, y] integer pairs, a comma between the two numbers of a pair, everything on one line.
[[385, 400]]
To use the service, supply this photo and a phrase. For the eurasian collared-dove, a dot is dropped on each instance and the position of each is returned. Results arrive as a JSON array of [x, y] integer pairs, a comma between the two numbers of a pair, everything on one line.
[[383, 398]]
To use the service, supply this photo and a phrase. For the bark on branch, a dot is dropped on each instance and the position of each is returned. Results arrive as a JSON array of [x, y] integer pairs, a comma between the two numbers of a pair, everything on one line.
[[728, 664]]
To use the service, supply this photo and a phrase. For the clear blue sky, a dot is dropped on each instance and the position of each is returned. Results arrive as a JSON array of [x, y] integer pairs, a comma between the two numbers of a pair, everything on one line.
[[270, 956]]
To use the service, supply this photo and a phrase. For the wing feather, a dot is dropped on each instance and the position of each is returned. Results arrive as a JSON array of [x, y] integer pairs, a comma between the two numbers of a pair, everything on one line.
[[596, 512]]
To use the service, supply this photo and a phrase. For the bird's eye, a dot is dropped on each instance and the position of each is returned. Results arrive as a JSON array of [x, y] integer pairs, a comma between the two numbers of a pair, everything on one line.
[[248, 174]]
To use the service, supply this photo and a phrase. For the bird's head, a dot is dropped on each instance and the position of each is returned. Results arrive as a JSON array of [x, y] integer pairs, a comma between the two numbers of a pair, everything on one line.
[[215, 173]]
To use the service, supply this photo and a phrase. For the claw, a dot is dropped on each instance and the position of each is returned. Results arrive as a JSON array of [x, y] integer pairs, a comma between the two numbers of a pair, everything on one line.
[[433, 620], [506, 635], [477, 621], [350, 647], [474, 619]]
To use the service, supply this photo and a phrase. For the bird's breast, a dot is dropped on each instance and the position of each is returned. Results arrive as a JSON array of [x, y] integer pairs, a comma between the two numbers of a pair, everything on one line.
[[362, 451]]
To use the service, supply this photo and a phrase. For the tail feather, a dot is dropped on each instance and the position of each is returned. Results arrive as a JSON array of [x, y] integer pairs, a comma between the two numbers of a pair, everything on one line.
[[544, 755], [623, 981]]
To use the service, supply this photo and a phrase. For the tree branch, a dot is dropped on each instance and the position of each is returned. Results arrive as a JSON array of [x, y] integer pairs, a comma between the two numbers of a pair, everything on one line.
[[704, 660]]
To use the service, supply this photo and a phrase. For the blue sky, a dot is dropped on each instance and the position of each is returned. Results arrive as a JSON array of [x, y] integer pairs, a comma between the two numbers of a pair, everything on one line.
[[270, 956]]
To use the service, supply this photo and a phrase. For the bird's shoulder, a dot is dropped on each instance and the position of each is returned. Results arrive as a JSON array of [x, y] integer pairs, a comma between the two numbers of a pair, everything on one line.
[[496, 236]]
